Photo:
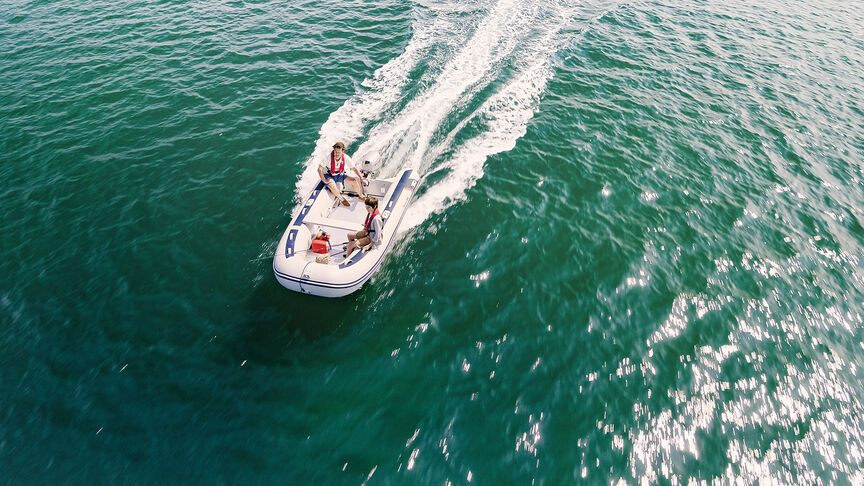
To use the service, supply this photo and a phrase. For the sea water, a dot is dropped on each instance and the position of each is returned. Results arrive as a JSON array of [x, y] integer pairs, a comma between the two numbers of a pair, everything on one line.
[[635, 256]]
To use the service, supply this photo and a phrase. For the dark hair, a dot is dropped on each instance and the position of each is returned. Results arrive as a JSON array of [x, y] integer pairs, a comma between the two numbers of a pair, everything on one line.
[[339, 145], [372, 202]]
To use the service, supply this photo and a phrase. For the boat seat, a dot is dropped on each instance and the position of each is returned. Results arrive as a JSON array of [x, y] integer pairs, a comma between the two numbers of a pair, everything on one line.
[[352, 192], [333, 223], [375, 188]]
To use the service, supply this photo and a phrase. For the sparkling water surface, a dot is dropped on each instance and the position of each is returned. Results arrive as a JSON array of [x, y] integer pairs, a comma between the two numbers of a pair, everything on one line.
[[636, 256]]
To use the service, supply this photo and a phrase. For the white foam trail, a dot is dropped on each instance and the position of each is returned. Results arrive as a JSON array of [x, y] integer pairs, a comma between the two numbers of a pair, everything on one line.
[[515, 35], [413, 129], [506, 115], [347, 123]]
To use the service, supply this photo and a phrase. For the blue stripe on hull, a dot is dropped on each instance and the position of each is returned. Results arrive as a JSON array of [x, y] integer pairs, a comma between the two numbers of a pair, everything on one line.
[[403, 183]]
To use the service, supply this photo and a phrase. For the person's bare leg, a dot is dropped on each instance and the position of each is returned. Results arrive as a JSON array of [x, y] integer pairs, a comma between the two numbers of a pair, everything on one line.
[[351, 245], [359, 186], [335, 191]]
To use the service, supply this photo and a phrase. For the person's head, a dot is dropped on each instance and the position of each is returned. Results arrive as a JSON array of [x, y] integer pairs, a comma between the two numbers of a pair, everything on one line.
[[338, 148], [371, 203]]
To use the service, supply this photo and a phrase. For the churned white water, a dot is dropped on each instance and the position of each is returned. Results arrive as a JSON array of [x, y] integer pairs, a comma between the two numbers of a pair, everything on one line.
[[484, 80]]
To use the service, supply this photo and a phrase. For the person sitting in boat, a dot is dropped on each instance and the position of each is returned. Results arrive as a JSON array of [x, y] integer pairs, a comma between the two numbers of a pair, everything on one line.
[[335, 169], [370, 235]]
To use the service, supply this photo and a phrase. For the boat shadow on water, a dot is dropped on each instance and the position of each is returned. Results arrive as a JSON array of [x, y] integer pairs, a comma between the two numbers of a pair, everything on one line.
[[278, 320]]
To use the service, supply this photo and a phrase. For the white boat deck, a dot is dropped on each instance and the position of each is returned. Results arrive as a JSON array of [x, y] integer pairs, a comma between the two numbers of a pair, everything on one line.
[[296, 267], [338, 220]]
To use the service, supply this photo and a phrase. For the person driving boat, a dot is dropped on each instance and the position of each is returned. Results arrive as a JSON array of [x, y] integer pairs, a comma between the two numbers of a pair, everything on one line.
[[334, 169]]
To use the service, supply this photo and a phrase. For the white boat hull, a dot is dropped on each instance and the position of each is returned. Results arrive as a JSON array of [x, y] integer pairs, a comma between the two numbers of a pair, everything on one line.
[[295, 265]]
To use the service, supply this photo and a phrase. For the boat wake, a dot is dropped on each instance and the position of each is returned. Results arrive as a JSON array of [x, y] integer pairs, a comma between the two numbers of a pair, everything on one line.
[[459, 93]]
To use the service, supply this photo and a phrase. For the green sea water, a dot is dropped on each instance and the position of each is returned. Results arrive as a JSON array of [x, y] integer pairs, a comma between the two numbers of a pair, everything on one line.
[[635, 257]]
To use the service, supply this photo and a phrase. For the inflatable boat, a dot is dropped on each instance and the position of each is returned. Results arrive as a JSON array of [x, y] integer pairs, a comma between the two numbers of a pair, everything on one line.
[[310, 257]]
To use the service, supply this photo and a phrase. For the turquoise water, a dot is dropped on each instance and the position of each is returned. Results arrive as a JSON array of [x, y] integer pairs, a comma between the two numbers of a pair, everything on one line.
[[636, 255]]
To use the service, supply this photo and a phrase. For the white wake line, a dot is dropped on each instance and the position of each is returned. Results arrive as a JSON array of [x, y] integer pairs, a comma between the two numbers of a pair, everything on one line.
[[347, 122], [507, 125], [493, 40], [407, 139]]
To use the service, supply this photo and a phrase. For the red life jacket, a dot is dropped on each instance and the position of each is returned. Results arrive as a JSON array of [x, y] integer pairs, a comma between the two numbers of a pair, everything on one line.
[[369, 217], [333, 163]]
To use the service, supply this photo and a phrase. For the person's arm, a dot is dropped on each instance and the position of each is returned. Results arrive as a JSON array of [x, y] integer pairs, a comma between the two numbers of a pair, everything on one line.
[[350, 163], [321, 174], [359, 176]]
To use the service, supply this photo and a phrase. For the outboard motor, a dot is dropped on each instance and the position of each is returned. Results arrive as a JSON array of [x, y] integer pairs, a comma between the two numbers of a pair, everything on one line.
[[367, 170]]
